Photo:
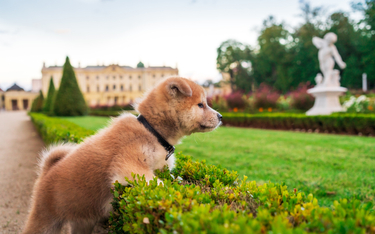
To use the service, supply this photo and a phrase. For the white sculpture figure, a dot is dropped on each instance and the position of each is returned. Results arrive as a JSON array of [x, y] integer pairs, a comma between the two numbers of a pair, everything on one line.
[[327, 89], [328, 51]]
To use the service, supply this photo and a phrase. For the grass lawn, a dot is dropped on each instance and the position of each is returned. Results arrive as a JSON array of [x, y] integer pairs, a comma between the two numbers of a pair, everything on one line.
[[329, 166]]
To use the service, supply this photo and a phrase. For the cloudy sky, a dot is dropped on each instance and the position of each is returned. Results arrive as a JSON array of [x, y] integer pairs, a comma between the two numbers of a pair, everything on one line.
[[163, 32]]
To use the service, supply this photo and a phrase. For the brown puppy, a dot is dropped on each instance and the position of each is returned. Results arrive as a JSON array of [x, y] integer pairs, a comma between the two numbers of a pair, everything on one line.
[[75, 180]]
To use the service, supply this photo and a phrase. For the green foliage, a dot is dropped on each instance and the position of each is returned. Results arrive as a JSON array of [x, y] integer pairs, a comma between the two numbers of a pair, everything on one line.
[[48, 103], [37, 105], [140, 65], [285, 58], [338, 123], [69, 100], [192, 206], [55, 130]]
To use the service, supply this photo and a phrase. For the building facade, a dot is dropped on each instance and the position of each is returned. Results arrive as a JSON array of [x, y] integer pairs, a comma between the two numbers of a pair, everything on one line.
[[110, 85], [16, 98]]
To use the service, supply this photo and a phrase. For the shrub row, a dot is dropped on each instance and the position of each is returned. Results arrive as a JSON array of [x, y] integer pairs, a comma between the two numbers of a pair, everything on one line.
[[335, 123], [201, 198], [55, 130], [109, 113], [198, 198]]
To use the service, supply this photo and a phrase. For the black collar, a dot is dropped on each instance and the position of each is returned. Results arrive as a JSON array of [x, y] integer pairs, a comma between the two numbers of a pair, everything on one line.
[[168, 147]]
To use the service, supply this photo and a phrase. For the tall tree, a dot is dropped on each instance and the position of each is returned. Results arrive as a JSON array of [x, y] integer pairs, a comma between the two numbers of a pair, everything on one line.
[[48, 103], [234, 58], [367, 27], [271, 62], [69, 100]]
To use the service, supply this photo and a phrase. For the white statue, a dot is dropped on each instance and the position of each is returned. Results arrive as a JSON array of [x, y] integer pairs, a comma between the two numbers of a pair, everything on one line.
[[328, 51], [327, 89]]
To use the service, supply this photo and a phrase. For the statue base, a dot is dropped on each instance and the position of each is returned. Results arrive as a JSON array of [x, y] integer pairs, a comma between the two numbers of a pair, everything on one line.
[[326, 100]]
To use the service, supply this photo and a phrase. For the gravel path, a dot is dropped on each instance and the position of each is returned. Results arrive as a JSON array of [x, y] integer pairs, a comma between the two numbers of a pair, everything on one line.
[[19, 147]]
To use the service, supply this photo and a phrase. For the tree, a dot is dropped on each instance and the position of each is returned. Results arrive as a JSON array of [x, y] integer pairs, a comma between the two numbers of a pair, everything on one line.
[[69, 100], [48, 103], [140, 65], [367, 28], [37, 105], [273, 59], [234, 58]]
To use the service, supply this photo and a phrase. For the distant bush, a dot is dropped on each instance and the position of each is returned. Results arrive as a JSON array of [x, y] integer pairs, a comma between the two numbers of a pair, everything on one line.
[[302, 100], [218, 103], [337, 123], [235, 100], [55, 130], [265, 98], [37, 105], [113, 108]]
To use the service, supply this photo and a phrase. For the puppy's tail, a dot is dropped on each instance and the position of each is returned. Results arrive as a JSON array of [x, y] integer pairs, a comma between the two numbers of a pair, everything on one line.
[[52, 155]]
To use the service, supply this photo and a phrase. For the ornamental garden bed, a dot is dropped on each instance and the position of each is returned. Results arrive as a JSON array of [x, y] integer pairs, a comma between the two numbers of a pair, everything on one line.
[[201, 198]]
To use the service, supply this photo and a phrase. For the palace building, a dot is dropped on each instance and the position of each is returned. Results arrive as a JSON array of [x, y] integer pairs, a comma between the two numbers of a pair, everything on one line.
[[110, 85]]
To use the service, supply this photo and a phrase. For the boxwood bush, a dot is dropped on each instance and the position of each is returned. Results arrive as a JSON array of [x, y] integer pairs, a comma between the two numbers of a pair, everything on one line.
[[200, 198], [335, 123], [55, 130]]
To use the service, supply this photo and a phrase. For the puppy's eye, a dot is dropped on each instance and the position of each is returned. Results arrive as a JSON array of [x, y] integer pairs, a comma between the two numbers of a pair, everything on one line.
[[200, 105]]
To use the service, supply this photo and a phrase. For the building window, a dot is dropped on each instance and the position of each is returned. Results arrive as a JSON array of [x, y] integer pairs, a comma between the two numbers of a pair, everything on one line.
[[106, 88], [130, 77], [122, 88], [139, 77], [87, 77], [121, 77], [114, 87], [162, 75], [88, 89], [97, 77], [153, 76], [116, 99], [140, 88], [107, 77], [114, 77], [97, 88], [130, 88]]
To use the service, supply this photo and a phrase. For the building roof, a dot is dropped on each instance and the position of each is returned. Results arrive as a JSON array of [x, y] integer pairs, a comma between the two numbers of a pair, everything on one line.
[[99, 67], [15, 87]]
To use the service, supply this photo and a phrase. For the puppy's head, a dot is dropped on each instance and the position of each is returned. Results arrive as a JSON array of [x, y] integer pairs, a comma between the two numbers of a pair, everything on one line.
[[180, 104]]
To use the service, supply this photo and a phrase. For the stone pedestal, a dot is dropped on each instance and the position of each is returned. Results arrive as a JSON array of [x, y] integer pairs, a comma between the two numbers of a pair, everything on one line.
[[326, 100]]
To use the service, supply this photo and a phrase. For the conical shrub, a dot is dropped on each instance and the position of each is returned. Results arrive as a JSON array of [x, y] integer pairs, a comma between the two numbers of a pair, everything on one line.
[[37, 105], [48, 103], [69, 100]]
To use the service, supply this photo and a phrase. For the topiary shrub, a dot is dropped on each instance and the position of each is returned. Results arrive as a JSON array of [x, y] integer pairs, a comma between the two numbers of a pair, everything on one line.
[[302, 100], [69, 100], [37, 105], [48, 103], [264, 97]]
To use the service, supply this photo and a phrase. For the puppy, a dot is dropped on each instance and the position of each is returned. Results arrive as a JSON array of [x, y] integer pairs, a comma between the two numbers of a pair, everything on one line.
[[75, 180]]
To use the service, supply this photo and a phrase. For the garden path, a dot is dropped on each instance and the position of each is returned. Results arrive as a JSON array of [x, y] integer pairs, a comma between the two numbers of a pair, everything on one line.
[[19, 147]]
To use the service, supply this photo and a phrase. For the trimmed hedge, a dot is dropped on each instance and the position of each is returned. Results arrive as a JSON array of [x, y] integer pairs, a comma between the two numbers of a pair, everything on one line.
[[335, 123], [201, 198], [108, 113], [55, 130]]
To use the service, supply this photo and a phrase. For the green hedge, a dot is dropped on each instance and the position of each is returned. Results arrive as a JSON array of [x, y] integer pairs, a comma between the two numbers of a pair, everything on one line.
[[201, 198], [55, 130], [335, 123], [109, 113]]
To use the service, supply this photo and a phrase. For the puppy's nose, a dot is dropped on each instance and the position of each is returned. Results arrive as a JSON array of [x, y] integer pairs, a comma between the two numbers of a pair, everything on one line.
[[219, 116]]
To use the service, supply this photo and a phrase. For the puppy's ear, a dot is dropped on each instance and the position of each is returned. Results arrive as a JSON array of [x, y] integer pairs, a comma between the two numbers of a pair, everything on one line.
[[179, 86]]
